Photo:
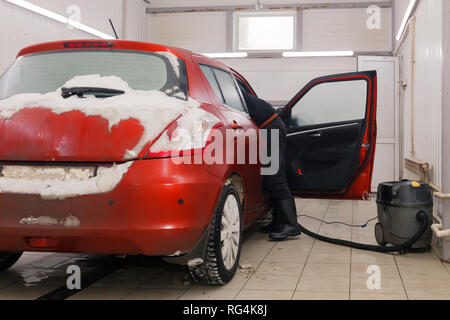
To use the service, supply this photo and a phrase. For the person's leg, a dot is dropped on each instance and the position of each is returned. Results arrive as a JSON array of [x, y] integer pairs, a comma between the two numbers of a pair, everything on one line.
[[286, 224], [285, 219], [271, 227]]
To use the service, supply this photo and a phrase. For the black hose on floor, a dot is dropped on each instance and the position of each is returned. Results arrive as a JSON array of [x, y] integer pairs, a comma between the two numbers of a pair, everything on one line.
[[420, 217]]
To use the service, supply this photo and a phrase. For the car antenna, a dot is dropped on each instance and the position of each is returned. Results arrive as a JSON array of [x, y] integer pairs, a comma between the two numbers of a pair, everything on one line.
[[114, 29]]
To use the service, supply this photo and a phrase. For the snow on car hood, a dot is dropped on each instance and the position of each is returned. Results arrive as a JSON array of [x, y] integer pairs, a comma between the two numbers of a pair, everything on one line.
[[153, 109]]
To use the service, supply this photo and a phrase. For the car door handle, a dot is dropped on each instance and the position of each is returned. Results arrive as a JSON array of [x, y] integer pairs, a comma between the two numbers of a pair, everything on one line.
[[235, 126], [316, 135]]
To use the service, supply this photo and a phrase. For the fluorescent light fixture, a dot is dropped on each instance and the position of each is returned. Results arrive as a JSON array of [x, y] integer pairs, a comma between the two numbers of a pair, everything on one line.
[[410, 8], [227, 55], [52, 15], [291, 54]]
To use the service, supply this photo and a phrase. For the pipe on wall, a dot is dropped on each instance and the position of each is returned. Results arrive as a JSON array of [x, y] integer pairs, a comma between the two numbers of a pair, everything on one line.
[[413, 61], [441, 234]]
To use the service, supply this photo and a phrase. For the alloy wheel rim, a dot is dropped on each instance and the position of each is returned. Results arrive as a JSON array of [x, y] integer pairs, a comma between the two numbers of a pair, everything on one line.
[[230, 231]]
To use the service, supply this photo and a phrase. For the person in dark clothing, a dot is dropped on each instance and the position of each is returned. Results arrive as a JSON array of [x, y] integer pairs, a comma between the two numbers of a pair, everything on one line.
[[284, 223]]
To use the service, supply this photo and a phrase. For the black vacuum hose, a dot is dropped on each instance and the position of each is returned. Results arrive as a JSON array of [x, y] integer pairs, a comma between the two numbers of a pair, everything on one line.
[[420, 216]]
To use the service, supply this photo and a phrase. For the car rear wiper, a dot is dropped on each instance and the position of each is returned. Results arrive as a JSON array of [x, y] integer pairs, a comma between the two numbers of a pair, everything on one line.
[[97, 92]]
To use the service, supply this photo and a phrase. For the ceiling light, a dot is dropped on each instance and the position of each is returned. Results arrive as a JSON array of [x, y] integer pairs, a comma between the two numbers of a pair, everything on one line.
[[52, 15], [410, 8], [227, 55], [290, 54]]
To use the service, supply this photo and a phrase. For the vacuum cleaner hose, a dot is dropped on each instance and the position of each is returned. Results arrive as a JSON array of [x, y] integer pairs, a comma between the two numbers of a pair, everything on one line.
[[420, 217]]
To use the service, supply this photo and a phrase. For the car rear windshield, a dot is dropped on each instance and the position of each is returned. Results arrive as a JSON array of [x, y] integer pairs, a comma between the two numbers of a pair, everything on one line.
[[46, 72]]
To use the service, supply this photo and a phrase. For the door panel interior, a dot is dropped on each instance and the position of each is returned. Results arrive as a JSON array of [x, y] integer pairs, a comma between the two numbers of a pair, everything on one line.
[[323, 157], [331, 125]]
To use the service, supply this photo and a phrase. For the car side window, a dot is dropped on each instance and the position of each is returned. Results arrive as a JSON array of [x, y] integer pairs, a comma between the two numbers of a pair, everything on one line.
[[209, 74], [331, 102], [229, 90]]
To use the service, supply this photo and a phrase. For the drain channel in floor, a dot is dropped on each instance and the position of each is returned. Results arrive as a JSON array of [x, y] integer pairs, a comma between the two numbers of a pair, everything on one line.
[[92, 272]]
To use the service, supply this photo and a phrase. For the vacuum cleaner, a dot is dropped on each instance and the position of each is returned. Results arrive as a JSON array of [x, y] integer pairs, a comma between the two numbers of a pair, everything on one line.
[[405, 214]]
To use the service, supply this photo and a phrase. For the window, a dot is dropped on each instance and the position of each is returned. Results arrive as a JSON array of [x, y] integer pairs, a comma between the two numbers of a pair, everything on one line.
[[229, 90], [46, 72], [264, 31], [331, 102], [209, 74], [224, 87]]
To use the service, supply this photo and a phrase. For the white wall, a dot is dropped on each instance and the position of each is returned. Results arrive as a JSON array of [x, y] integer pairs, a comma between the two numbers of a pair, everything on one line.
[[189, 3], [276, 79], [428, 126], [280, 79], [20, 28], [445, 207], [345, 29], [427, 129], [196, 31], [94, 13]]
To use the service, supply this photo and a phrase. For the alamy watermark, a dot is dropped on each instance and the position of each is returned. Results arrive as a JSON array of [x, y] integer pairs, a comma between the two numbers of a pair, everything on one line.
[[374, 19], [73, 282], [227, 146], [374, 280]]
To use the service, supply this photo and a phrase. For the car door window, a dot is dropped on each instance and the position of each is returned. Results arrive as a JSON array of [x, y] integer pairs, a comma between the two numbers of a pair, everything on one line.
[[229, 90], [209, 74], [331, 102]]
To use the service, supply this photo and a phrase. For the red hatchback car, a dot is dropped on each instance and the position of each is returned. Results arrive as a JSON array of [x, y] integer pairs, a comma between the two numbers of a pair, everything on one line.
[[87, 152]]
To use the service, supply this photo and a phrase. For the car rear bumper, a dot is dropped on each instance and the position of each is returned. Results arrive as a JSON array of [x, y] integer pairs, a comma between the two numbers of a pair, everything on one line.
[[158, 208]]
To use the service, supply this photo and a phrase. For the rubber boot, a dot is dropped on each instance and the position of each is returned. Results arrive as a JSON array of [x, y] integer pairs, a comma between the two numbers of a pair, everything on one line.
[[287, 222], [271, 227]]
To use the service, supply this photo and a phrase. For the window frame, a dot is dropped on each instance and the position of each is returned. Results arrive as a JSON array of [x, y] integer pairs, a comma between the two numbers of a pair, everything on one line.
[[264, 13], [236, 86]]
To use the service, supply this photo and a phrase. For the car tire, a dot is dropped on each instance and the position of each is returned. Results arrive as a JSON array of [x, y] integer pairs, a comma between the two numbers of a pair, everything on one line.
[[221, 259], [7, 259]]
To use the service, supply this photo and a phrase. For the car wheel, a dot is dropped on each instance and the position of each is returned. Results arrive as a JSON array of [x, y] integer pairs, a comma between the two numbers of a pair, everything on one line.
[[7, 259], [224, 245]]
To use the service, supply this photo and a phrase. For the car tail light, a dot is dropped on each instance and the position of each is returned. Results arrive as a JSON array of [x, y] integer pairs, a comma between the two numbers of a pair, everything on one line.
[[42, 242], [88, 44], [183, 137]]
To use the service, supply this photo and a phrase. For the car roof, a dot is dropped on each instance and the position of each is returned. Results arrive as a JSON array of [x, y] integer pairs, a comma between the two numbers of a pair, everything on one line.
[[113, 45]]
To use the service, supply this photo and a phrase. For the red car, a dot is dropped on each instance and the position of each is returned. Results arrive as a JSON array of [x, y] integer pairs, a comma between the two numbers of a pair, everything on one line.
[[87, 152]]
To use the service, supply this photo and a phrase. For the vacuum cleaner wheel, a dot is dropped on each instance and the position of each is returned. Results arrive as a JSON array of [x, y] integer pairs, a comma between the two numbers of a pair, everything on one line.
[[379, 234]]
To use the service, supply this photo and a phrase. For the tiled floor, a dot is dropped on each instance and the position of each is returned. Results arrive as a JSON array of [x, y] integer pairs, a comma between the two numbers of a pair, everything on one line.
[[298, 269]]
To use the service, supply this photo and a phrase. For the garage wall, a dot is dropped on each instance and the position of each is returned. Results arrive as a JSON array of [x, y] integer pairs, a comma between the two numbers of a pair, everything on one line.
[[20, 28], [344, 29], [428, 127], [276, 79], [279, 79], [321, 30], [190, 3], [444, 208], [196, 31]]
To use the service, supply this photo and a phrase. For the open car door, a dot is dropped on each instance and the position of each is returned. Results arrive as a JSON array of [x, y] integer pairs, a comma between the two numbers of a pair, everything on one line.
[[332, 132]]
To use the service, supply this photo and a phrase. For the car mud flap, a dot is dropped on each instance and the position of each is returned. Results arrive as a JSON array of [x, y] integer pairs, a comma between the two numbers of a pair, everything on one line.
[[198, 252]]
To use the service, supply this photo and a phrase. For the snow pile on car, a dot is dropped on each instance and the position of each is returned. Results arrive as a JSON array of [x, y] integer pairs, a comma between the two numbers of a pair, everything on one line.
[[105, 180], [154, 109]]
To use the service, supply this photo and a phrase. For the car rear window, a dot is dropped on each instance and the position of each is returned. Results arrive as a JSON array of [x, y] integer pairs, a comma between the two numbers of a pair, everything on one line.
[[46, 72]]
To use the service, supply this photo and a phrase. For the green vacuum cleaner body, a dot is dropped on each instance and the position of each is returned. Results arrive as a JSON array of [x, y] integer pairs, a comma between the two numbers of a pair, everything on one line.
[[398, 204]]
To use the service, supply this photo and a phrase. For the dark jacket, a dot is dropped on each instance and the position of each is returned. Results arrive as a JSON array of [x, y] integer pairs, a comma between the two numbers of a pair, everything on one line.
[[260, 111]]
